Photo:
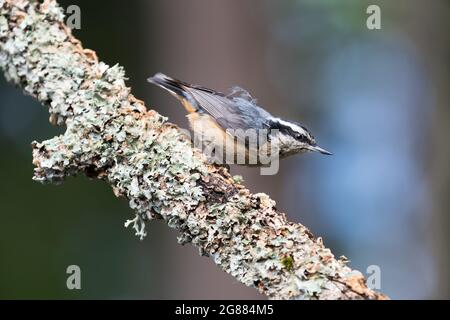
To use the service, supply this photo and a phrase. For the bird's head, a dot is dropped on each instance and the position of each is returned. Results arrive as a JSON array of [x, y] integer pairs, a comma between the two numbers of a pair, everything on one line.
[[293, 138]]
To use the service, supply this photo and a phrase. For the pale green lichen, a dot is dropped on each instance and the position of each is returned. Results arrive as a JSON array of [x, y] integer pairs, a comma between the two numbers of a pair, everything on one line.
[[238, 179], [3, 26], [138, 225], [111, 136]]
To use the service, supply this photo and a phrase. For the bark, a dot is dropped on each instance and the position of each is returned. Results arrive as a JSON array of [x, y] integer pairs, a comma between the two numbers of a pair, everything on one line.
[[110, 135]]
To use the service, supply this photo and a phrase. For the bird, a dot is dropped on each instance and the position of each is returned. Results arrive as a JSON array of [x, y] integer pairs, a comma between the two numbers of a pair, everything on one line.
[[234, 128]]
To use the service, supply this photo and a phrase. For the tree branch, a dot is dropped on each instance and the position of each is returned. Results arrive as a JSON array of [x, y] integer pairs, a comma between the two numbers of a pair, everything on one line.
[[111, 135]]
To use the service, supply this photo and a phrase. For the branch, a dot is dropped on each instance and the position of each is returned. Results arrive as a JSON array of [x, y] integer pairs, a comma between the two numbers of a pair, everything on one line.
[[110, 135]]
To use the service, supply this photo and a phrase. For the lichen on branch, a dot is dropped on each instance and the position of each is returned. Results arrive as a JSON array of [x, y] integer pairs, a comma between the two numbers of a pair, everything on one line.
[[110, 135]]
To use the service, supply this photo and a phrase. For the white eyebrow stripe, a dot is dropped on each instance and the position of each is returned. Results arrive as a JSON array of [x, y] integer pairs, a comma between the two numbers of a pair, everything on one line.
[[293, 126]]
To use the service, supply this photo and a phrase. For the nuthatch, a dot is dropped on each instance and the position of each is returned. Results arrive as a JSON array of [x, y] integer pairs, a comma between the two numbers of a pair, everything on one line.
[[221, 120]]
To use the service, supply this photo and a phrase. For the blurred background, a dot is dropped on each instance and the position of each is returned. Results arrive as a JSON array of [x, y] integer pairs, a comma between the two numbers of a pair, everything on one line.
[[378, 99]]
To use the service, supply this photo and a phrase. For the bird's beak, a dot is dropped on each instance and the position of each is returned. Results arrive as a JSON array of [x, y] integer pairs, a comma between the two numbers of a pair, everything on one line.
[[319, 149]]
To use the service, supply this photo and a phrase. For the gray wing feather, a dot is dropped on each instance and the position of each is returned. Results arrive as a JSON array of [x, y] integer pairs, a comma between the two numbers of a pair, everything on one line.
[[235, 113]]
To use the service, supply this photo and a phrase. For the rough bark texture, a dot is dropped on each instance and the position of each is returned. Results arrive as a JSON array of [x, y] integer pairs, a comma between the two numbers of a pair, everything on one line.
[[110, 135]]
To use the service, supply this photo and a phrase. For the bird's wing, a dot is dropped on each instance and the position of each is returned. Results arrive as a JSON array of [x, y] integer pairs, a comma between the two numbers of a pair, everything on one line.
[[229, 113], [239, 117]]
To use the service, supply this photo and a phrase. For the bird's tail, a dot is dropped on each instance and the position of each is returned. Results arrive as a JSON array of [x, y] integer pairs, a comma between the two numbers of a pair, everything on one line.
[[177, 88]]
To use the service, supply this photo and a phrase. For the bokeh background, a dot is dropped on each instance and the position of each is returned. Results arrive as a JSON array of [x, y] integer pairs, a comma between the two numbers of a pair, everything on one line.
[[378, 99]]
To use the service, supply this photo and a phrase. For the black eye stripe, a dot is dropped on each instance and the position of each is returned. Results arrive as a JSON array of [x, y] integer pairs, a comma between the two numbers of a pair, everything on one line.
[[289, 131], [302, 138]]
